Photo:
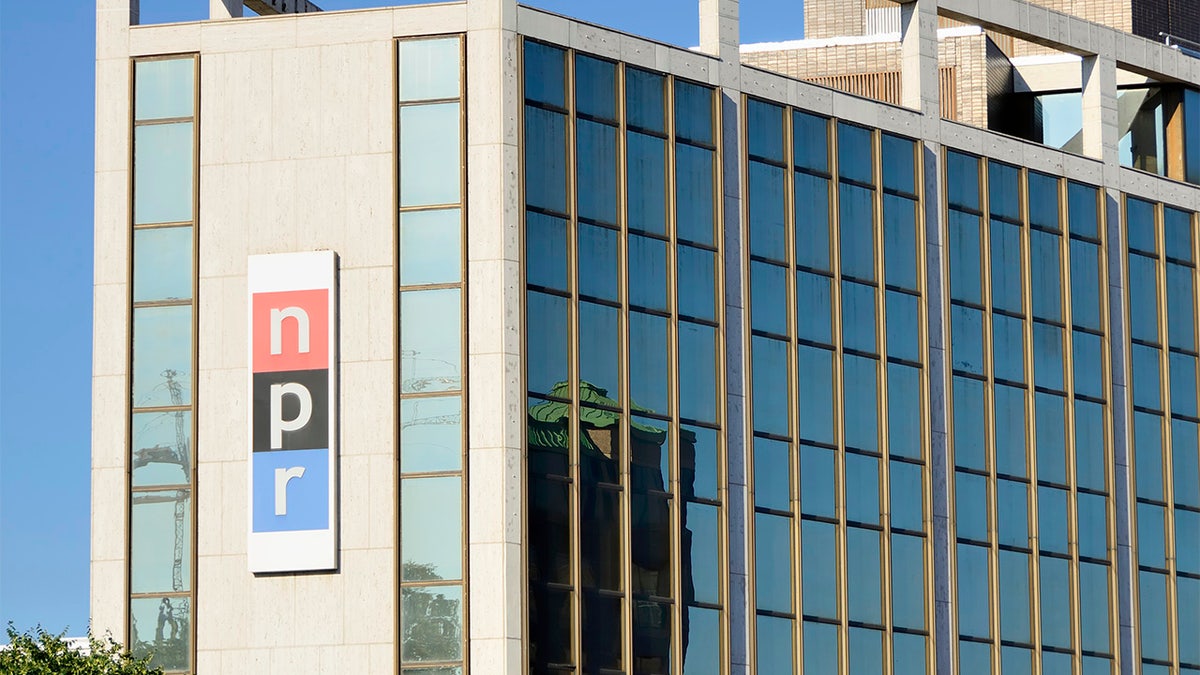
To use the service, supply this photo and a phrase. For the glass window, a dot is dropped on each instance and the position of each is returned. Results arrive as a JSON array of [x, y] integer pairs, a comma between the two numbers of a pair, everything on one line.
[[431, 623], [648, 367], [164, 88], [969, 426], [162, 356], [815, 376], [812, 221], [773, 553], [1188, 592], [774, 644], [1183, 384], [768, 298], [1148, 452], [1151, 521], [1139, 224], [599, 269], [430, 154], [430, 340], [431, 435], [861, 408], [908, 593], [162, 264], [973, 599], [904, 326], [907, 489], [818, 558], [772, 472], [704, 447], [1010, 424], [597, 176], [1146, 382], [768, 235], [693, 112], [1043, 201], [1152, 598], [1186, 456], [1014, 597], [810, 136], [971, 505], [600, 349], [1089, 445], [545, 251], [1012, 506], [1007, 258], [545, 75], [862, 501], [818, 481], [904, 411], [814, 311], [153, 538], [1187, 542], [1044, 266], [857, 232], [770, 400], [764, 124], [547, 318], [157, 456], [694, 193], [1004, 191], [975, 657], [703, 639], [1048, 356], [854, 153], [1052, 520], [908, 654], [966, 329], [595, 87], [965, 256], [647, 273], [866, 651], [858, 317], [1083, 212], [1181, 307], [545, 158], [899, 165], [820, 647], [698, 374], [172, 651], [1177, 234], [430, 69], [431, 247], [900, 241], [697, 282], [431, 528], [1093, 526], [646, 180], [1088, 358], [1094, 607], [644, 96], [962, 178], [1085, 285], [701, 522], [162, 173], [1008, 348], [1143, 298]]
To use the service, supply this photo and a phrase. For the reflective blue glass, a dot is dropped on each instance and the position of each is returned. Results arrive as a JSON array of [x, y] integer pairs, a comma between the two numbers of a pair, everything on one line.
[[1186, 458], [162, 264], [908, 589], [1085, 285], [900, 241], [1143, 298], [768, 234], [648, 273], [702, 523], [862, 494], [1146, 377], [969, 427], [1148, 454], [904, 326], [596, 177], [904, 411], [966, 329], [163, 173], [431, 247], [697, 372], [546, 251], [857, 231], [1188, 601], [693, 112], [1089, 445], [962, 179], [1152, 599], [774, 636], [974, 657], [694, 188], [764, 128], [697, 282], [431, 528], [1052, 520], [545, 158], [1008, 348], [431, 340], [908, 654], [1007, 259], [648, 367], [773, 556], [1093, 525], [1050, 412], [600, 347], [858, 317], [820, 647], [965, 256], [644, 96], [768, 298], [1048, 356], [595, 87], [162, 356], [430, 154], [1043, 201], [1082, 210], [545, 74], [818, 559], [866, 651], [1044, 263], [814, 311], [547, 336], [1183, 384], [974, 602], [772, 474], [646, 182], [153, 537], [1139, 225], [1012, 513], [812, 221], [970, 512], [1014, 597], [598, 261], [899, 165], [1094, 607], [1088, 357], [814, 368], [1011, 424], [818, 481], [1004, 191], [1151, 540], [431, 434], [907, 510], [1181, 306], [854, 153], [810, 137], [861, 407], [770, 391]]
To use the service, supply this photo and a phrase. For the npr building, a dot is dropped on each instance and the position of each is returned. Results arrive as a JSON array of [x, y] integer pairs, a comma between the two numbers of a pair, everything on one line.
[[470, 338]]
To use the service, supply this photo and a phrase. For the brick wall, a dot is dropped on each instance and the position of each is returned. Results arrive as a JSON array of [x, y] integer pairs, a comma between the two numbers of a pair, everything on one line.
[[833, 18]]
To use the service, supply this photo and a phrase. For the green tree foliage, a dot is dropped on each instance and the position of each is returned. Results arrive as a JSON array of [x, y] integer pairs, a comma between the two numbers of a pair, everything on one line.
[[38, 652]]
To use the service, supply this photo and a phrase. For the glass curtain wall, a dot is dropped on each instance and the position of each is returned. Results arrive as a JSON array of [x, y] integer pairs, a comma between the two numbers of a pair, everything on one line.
[[163, 291], [1029, 411], [625, 489], [839, 471], [1163, 357], [431, 314]]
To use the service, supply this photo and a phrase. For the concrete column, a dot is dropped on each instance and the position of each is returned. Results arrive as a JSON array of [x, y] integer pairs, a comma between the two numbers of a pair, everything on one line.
[[1100, 108], [719, 29], [224, 9], [496, 416], [919, 85]]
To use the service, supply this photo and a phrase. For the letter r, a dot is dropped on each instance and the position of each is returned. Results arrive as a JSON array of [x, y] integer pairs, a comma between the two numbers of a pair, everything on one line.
[[282, 478]]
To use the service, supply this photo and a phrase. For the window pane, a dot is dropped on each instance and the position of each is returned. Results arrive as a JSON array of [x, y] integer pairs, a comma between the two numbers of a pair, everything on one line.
[[158, 456], [648, 273], [1014, 597], [908, 654], [431, 435], [969, 426], [648, 351], [899, 167], [694, 193], [1148, 452], [600, 349], [820, 647], [693, 112], [644, 95], [1010, 422], [431, 623], [862, 502], [1143, 299], [1094, 607], [1183, 384], [1188, 591], [904, 411], [773, 556], [702, 641], [1085, 285], [866, 651], [970, 496], [1008, 348], [858, 317], [908, 587], [595, 87], [545, 74], [1150, 536], [1152, 598], [599, 269], [651, 636], [702, 444], [1043, 201], [861, 409], [430, 340], [774, 644], [162, 264], [857, 213], [162, 356], [646, 180], [162, 173], [815, 374], [1052, 519], [1056, 602], [962, 178], [1048, 356], [768, 236], [966, 329], [1082, 210], [974, 657], [965, 256], [1181, 312], [906, 496], [973, 598], [1146, 382], [597, 176], [164, 88], [818, 481], [545, 251], [1012, 504], [431, 247], [546, 332], [772, 473], [764, 124], [814, 310], [1177, 234], [768, 298], [900, 241], [1186, 458], [698, 376], [1093, 526], [429, 69], [1088, 357], [697, 282], [153, 538], [810, 135], [1007, 259], [1139, 217], [818, 556], [160, 628], [1089, 445], [701, 568], [1044, 265], [430, 154], [545, 158], [854, 152], [1004, 190], [770, 400], [812, 221], [431, 528]]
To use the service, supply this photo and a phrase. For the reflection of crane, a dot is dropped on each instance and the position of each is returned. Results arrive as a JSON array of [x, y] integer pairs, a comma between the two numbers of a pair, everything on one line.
[[181, 456], [435, 383]]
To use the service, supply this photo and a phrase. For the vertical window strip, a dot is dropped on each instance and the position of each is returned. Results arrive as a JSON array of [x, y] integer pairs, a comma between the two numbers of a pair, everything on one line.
[[162, 386], [431, 363]]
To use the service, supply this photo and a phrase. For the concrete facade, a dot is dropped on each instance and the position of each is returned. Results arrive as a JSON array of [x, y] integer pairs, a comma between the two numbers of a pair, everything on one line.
[[297, 152]]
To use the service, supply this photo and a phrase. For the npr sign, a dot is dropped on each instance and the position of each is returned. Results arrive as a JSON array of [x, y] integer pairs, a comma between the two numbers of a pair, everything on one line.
[[293, 520]]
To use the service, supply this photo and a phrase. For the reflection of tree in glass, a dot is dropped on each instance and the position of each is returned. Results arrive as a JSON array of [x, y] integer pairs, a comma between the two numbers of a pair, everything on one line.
[[432, 622], [168, 644]]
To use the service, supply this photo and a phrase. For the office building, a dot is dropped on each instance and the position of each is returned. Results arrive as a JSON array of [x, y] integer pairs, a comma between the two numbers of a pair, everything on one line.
[[468, 337]]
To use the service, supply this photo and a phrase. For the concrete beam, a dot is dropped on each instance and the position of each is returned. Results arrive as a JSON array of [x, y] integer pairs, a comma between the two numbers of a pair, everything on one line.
[[1073, 35], [1100, 114], [267, 7]]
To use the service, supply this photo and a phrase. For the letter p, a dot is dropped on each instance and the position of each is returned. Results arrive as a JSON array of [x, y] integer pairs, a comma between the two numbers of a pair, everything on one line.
[[280, 425]]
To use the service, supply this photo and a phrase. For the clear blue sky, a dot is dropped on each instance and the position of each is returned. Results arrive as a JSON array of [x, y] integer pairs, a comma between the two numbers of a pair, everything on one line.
[[47, 53]]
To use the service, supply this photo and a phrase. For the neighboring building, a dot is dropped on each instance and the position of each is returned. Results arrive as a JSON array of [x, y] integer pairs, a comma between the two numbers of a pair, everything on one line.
[[468, 337]]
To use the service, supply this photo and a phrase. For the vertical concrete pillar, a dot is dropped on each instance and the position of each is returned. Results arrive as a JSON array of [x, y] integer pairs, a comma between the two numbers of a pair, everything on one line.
[[919, 84], [110, 354], [496, 417], [720, 37], [1100, 108], [224, 9]]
